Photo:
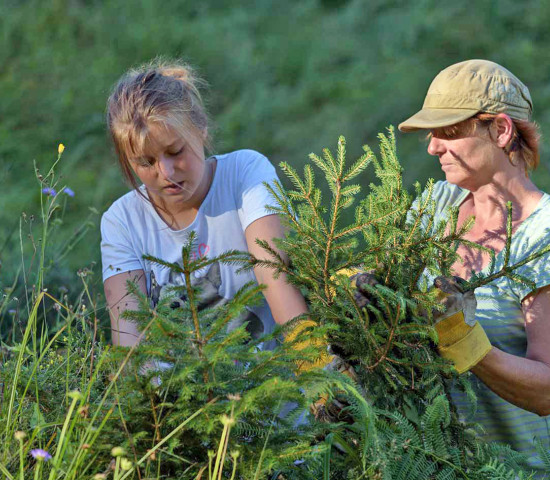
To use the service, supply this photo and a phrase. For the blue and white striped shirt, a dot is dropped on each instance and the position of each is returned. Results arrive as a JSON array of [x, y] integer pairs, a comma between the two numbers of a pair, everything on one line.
[[499, 312]]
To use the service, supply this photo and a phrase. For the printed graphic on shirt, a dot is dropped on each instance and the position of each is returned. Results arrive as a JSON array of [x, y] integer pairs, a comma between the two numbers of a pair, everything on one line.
[[209, 297]]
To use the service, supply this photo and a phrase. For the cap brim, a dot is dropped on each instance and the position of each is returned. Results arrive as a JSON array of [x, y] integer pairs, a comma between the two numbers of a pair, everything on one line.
[[428, 118]]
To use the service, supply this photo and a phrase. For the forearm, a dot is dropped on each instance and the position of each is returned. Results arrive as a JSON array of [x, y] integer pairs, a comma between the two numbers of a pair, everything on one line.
[[285, 300], [124, 332], [520, 381]]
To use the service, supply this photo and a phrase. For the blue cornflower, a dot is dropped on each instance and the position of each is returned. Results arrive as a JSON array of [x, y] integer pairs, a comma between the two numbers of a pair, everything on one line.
[[68, 191], [49, 191], [40, 455]]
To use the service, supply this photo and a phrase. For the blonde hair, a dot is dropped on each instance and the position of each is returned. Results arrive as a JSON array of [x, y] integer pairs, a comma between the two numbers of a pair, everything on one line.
[[523, 147], [158, 92]]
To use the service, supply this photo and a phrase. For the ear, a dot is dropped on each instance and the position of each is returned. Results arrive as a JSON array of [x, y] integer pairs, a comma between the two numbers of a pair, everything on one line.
[[504, 129]]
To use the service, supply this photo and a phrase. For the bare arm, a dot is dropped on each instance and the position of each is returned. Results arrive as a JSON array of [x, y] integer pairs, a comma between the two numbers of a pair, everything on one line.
[[525, 382], [124, 332], [284, 300]]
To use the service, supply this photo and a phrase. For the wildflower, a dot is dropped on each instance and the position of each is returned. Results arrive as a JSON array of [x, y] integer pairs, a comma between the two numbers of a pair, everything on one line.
[[11, 311], [83, 411], [19, 435], [69, 191], [49, 191], [75, 395], [227, 421], [100, 476], [125, 464], [40, 455], [118, 451], [60, 148]]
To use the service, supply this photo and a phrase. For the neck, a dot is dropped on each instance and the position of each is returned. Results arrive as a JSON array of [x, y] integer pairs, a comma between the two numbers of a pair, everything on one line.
[[490, 200], [178, 213]]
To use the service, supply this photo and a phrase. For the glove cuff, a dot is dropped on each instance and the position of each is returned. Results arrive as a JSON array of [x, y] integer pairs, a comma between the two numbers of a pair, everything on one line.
[[451, 329], [468, 351]]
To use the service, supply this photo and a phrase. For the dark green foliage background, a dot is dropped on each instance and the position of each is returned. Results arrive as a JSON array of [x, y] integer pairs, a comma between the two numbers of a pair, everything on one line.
[[286, 78]]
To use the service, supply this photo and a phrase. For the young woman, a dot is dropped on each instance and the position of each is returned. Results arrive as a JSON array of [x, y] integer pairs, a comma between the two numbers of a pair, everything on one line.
[[478, 116], [160, 131]]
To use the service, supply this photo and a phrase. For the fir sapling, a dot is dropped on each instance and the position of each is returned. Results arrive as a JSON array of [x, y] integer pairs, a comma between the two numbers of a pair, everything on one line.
[[224, 371], [405, 424]]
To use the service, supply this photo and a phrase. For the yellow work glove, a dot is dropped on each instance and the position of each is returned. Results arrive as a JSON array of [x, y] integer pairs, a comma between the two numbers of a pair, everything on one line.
[[462, 340], [323, 409], [358, 278], [300, 330], [319, 409]]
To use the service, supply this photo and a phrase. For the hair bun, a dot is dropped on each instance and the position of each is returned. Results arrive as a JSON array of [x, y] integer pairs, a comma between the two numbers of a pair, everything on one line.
[[183, 73]]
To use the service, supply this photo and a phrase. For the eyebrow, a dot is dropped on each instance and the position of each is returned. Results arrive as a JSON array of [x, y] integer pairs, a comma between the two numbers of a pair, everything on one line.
[[175, 143]]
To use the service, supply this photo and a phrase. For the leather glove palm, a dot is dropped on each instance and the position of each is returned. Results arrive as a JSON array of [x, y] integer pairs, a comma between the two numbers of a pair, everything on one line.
[[462, 339]]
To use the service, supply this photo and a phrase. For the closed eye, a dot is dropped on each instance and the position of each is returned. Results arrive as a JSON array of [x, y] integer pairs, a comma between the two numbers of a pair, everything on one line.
[[144, 162], [179, 152]]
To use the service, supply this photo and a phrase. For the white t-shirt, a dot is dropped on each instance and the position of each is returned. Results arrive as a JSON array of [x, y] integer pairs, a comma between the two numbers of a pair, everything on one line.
[[131, 228]]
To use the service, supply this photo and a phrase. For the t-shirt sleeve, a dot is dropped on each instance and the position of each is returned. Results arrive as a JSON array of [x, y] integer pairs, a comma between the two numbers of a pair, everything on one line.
[[117, 252], [538, 270], [254, 197], [443, 196]]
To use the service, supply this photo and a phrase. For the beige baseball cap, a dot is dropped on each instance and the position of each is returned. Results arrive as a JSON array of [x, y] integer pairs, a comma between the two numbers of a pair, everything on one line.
[[466, 88]]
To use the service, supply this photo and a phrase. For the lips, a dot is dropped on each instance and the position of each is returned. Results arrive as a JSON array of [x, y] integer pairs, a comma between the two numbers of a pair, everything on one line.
[[171, 186]]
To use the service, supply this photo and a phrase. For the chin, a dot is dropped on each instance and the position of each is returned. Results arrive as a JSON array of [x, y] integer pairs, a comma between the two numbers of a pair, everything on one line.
[[458, 180]]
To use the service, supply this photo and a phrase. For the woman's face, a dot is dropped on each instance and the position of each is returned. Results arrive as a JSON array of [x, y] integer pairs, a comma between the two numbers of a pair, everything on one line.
[[172, 167], [468, 161]]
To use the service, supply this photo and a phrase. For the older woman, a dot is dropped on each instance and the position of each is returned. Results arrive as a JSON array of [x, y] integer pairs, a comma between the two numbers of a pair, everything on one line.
[[478, 116]]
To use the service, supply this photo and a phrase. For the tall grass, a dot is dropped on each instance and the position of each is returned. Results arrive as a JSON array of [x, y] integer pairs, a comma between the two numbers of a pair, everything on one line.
[[60, 386], [286, 78], [74, 407]]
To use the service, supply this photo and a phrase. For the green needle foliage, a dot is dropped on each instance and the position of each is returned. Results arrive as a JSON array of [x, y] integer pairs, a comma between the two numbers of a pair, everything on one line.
[[188, 358], [200, 398], [404, 423]]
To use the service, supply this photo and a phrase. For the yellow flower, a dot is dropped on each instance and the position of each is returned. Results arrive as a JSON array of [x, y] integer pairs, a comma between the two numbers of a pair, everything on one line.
[[125, 464], [61, 148]]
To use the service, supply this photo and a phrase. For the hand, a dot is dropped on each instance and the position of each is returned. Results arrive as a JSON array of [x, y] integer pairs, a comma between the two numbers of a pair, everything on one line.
[[334, 410], [322, 409], [359, 279], [461, 338], [154, 366]]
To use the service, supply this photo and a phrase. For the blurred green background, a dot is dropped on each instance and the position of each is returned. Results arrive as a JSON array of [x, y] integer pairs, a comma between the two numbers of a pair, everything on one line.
[[285, 77]]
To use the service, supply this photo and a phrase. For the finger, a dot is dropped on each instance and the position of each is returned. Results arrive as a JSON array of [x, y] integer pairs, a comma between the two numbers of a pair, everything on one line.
[[449, 285], [365, 279]]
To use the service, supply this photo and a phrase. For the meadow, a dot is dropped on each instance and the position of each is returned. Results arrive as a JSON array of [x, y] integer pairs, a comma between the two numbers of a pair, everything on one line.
[[285, 78]]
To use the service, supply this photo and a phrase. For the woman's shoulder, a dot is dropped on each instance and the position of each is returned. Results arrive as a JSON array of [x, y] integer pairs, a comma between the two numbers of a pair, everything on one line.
[[242, 158], [244, 166], [538, 222], [127, 206], [445, 194]]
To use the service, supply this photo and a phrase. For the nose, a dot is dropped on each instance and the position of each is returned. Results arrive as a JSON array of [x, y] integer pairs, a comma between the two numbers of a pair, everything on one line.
[[166, 167], [435, 147]]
